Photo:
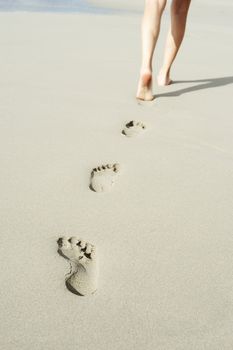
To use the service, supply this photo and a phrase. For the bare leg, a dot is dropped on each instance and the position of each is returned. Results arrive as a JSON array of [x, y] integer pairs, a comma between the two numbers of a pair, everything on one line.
[[179, 11], [150, 32]]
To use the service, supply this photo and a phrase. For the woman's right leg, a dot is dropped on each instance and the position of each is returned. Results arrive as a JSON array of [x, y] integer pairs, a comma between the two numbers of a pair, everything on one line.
[[150, 32]]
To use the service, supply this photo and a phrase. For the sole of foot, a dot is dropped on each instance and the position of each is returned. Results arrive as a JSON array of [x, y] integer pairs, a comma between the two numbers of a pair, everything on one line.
[[133, 128], [144, 92], [103, 177], [84, 280]]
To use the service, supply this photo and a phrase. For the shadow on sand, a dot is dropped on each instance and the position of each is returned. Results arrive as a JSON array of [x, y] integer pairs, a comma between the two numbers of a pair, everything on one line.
[[204, 84], [68, 286], [71, 289]]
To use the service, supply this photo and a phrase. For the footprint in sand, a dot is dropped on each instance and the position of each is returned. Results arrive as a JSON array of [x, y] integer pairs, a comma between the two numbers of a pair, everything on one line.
[[83, 255], [133, 128], [103, 177]]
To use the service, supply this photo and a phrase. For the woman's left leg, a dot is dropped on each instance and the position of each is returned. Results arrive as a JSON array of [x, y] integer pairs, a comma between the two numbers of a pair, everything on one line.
[[179, 12]]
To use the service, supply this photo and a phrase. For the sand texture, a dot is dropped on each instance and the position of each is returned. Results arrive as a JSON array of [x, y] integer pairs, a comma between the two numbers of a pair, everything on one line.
[[164, 232]]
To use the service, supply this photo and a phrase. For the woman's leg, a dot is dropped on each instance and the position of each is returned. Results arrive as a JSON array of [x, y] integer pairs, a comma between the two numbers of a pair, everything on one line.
[[150, 32], [179, 11]]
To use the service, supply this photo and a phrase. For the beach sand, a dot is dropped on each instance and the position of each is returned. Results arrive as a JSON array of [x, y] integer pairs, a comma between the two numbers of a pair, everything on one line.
[[164, 232]]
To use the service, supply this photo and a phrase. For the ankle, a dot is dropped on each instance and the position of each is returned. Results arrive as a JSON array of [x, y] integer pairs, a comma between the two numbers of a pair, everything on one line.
[[164, 71]]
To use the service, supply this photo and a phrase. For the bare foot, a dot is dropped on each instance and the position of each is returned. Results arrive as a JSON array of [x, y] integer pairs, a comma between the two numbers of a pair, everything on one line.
[[164, 78], [145, 87]]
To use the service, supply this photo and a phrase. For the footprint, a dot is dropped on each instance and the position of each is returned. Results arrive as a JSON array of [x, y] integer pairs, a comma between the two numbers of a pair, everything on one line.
[[103, 177], [133, 128], [83, 255]]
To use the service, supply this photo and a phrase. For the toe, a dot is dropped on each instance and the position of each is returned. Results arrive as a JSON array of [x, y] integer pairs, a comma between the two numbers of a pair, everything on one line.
[[82, 244], [88, 248], [88, 256], [74, 241], [63, 242], [92, 254], [116, 167], [130, 124], [60, 241]]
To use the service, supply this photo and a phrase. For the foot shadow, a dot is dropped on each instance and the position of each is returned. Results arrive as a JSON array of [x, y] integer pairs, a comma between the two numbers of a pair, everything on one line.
[[71, 289], [204, 84], [68, 286]]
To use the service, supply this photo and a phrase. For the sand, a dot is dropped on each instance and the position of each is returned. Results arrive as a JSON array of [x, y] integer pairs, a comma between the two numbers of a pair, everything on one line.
[[164, 233], [83, 277]]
